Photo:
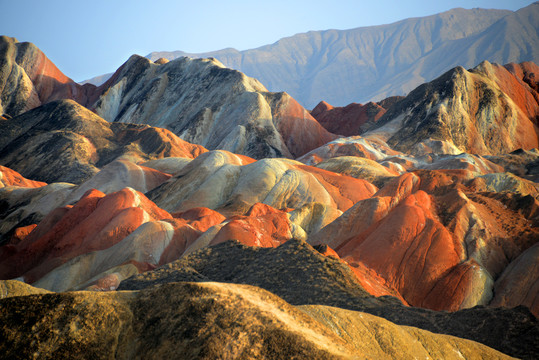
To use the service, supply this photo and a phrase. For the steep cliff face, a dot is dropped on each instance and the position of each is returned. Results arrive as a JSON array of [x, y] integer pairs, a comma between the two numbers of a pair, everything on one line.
[[205, 103]]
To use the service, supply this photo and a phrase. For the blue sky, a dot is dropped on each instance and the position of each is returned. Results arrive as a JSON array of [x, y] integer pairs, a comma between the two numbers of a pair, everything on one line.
[[89, 38]]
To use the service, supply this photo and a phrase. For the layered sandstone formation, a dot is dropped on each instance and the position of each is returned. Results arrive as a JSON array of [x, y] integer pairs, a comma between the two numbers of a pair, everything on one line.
[[205, 103], [435, 207], [221, 180], [223, 109], [348, 120], [9, 177]]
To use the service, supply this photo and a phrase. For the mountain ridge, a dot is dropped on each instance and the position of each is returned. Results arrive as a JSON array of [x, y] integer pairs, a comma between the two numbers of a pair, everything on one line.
[[355, 75]]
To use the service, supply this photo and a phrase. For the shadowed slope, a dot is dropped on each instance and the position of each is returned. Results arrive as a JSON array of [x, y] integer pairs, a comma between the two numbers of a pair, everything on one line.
[[75, 142], [301, 275], [208, 321]]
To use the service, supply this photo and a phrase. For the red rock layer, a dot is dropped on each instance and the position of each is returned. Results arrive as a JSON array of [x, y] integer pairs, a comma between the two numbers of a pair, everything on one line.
[[300, 131], [525, 89], [345, 190], [487, 110], [188, 226], [21, 233], [95, 222], [262, 226], [10, 177], [156, 141], [47, 81], [347, 120], [436, 237]]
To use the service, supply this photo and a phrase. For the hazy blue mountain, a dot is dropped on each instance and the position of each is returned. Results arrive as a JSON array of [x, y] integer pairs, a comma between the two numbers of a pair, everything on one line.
[[97, 80], [371, 63]]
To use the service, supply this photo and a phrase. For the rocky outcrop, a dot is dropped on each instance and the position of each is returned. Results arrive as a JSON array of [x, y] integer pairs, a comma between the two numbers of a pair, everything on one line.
[[205, 103], [200, 100], [22, 207], [94, 223], [153, 243], [441, 238], [359, 168]]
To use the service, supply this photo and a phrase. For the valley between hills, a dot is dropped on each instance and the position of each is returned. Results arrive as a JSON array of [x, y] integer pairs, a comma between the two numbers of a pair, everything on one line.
[[182, 210]]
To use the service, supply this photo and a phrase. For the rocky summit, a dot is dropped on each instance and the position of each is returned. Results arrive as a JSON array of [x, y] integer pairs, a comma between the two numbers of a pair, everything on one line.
[[180, 209]]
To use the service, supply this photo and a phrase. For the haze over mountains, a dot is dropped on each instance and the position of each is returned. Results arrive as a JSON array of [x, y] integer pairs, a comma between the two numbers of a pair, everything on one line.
[[372, 63], [181, 206]]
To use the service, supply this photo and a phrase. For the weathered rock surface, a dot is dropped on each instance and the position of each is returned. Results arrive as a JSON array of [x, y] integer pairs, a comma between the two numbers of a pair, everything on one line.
[[120, 174], [347, 120], [152, 244], [441, 238], [359, 168], [21, 207], [205, 103], [10, 177], [96, 222]]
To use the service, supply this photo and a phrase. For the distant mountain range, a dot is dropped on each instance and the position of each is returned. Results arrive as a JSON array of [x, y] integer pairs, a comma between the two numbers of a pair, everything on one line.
[[372, 63]]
